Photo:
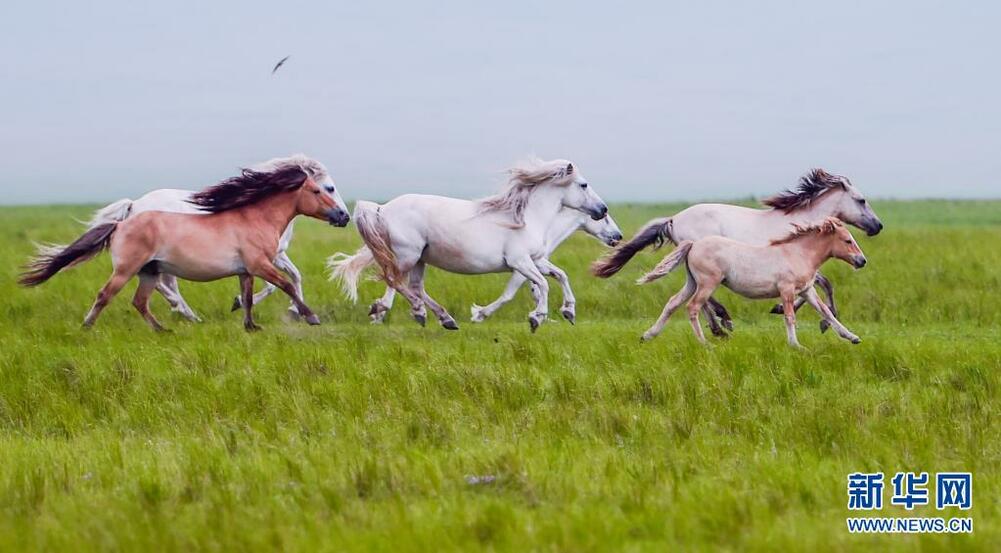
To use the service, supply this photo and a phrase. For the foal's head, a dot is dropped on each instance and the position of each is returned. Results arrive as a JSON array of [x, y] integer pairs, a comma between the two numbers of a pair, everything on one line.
[[833, 234]]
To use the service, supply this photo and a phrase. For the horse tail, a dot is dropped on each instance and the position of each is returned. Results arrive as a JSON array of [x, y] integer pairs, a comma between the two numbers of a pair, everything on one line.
[[655, 232], [53, 258], [111, 213], [373, 231], [348, 269], [669, 263]]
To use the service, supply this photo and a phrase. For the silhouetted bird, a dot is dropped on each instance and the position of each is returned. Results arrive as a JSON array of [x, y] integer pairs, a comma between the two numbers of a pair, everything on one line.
[[279, 64]]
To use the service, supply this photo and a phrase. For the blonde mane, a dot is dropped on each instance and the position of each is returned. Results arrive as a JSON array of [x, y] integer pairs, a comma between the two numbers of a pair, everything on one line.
[[523, 179], [827, 226]]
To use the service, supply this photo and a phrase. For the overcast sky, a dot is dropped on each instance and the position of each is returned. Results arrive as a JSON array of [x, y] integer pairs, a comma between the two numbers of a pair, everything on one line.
[[658, 100]]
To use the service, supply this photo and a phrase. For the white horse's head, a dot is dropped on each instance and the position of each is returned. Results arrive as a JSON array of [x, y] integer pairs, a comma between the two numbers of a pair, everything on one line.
[[317, 172], [604, 229], [829, 195], [577, 193]]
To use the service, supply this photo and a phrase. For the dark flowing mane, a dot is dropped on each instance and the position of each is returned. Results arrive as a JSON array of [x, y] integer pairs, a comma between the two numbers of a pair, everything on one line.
[[827, 226], [248, 187], [811, 186]]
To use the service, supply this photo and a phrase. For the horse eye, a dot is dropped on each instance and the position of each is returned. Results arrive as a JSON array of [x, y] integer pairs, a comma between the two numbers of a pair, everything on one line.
[[329, 189], [583, 185], [862, 201]]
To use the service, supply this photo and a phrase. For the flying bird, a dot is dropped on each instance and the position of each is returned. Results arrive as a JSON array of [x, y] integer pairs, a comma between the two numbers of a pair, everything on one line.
[[279, 64]]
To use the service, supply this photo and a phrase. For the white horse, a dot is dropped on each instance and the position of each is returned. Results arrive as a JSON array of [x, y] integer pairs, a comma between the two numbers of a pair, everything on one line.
[[178, 201], [818, 196], [568, 221], [502, 233]]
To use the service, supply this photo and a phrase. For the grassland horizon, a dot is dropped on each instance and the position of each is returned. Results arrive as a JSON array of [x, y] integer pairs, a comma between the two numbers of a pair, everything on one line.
[[351, 436]]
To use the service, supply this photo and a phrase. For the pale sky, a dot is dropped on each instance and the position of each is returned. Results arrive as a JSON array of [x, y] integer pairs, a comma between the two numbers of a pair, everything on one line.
[[652, 100]]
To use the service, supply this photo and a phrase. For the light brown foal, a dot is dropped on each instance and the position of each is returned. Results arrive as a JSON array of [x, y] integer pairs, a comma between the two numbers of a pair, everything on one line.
[[239, 236], [784, 269]]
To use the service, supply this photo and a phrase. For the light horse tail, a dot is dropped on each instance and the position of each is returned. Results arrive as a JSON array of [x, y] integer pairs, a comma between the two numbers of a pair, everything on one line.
[[669, 263], [373, 231], [112, 213], [655, 232], [348, 269], [52, 259]]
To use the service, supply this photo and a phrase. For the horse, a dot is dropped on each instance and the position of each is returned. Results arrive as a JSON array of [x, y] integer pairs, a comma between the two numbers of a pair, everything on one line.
[[786, 269], [568, 221], [817, 196], [239, 235], [506, 232], [178, 201]]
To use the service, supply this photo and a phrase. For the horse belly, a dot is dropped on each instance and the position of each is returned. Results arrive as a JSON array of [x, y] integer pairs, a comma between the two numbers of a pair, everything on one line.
[[750, 285], [456, 258], [201, 269]]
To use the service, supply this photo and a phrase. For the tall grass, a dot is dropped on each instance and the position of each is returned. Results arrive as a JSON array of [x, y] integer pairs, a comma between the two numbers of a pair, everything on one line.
[[350, 436]]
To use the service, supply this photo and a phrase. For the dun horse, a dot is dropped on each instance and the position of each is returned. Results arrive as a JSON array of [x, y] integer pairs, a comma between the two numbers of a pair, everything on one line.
[[785, 269], [502, 233], [178, 201], [819, 195], [240, 236]]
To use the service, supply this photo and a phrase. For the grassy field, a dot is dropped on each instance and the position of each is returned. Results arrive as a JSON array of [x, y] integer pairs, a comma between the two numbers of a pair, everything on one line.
[[349, 436]]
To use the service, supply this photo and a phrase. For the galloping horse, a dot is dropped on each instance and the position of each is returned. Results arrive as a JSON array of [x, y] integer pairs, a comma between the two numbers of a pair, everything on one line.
[[568, 221], [506, 232], [819, 195], [239, 236], [179, 201], [787, 269]]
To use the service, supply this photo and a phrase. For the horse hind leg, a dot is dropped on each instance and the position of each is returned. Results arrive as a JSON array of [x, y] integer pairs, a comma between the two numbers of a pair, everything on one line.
[[720, 310], [148, 280], [417, 286], [382, 306], [168, 288], [672, 305]]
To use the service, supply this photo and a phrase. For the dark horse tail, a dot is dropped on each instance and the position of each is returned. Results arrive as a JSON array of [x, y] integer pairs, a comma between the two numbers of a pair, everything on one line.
[[52, 259], [655, 232]]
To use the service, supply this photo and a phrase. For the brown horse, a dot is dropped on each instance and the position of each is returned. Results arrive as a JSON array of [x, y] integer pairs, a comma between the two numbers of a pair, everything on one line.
[[239, 236], [786, 269]]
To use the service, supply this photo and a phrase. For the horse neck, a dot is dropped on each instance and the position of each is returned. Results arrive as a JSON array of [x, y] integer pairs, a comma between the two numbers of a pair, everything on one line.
[[567, 221], [815, 248], [823, 207], [543, 206], [274, 212]]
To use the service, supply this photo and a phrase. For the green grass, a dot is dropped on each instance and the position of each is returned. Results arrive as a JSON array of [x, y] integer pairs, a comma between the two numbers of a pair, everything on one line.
[[349, 436]]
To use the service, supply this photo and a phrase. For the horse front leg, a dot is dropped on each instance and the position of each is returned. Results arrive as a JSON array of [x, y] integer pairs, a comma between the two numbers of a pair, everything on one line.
[[825, 312], [828, 289], [568, 309], [265, 269], [526, 266], [720, 310], [480, 314], [788, 309]]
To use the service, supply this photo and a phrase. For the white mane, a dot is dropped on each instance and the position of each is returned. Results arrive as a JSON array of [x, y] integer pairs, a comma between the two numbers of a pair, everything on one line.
[[523, 179]]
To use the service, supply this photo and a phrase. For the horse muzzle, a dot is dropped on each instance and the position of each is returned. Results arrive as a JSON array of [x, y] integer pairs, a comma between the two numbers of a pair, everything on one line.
[[338, 217], [598, 213], [858, 261], [873, 227], [613, 239]]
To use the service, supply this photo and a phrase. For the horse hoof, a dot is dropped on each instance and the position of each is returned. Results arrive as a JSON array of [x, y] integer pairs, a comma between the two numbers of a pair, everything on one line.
[[236, 304], [251, 327], [777, 309], [533, 323], [824, 326], [727, 324], [569, 316], [449, 324], [476, 314], [856, 340], [421, 319], [374, 310], [313, 320], [646, 337]]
